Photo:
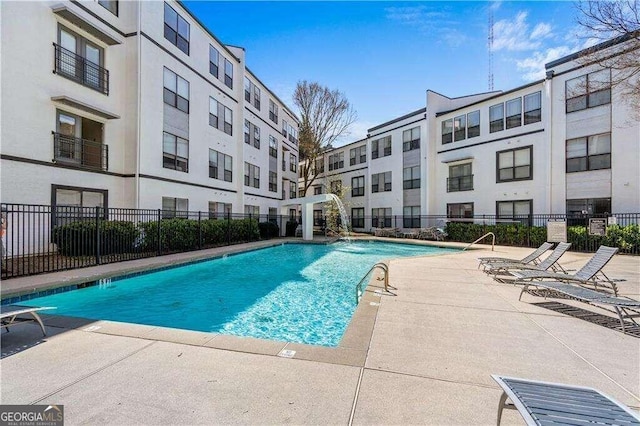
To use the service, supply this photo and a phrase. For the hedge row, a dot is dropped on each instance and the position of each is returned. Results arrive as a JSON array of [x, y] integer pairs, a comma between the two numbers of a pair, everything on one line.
[[79, 238], [627, 238]]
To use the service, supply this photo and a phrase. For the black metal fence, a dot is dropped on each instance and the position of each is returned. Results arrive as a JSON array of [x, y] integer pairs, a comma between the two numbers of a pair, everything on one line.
[[42, 238]]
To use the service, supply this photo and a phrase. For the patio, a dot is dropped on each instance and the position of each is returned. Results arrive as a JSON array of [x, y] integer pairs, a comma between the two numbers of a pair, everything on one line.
[[422, 357]]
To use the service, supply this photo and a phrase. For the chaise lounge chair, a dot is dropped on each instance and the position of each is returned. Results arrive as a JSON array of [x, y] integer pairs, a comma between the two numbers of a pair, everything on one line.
[[590, 273], [9, 316], [531, 258], [544, 403], [550, 262]]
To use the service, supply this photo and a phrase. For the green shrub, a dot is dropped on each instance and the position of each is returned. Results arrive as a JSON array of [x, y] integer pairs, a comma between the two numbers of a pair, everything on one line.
[[79, 238], [268, 230]]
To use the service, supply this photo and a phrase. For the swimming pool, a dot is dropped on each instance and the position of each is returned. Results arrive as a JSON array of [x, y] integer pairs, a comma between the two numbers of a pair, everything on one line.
[[293, 292]]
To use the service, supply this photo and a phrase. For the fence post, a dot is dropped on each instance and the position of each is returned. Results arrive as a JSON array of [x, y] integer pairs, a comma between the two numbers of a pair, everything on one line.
[[199, 230], [159, 233], [97, 252], [228, 228]]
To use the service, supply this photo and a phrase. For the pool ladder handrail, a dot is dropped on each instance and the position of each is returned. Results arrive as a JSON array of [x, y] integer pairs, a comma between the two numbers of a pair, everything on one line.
[[385, 269], [493, 241]]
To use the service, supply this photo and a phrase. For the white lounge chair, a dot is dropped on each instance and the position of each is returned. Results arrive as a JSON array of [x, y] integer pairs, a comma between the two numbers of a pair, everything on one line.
[[9, 315], [531, 258]]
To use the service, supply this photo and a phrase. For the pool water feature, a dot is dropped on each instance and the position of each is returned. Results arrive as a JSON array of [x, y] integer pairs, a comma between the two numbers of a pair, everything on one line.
[[293, 292]]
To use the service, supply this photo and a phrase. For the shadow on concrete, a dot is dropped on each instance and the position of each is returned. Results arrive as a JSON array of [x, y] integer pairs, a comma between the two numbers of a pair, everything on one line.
[[593, 317]]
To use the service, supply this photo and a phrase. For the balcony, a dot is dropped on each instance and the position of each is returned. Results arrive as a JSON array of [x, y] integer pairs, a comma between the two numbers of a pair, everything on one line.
[[79, 152], [460, 183], [74, 67]]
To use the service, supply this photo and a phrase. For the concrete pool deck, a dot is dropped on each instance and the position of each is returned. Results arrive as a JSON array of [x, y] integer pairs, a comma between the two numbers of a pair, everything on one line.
[[422, 357]]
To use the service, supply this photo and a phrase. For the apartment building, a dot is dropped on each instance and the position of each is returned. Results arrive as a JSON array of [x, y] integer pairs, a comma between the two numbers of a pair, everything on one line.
[[137, 105], [569, 143]]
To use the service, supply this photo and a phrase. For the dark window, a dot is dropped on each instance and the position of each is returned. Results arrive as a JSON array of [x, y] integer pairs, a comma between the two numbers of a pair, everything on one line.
[[336, 187], [80, 60], [228, 73], [515, 164], [383, 144], [273, 147], [473, 124], [176, 29], [214, 113], [589, 206], [460, 128], [411, 177], [319, 165], [251, 175], [447, 131], [292, 190], [496, 118], [228, 121], [460, 210], [520, 210], [214, 61], [175, 153], [381, 218], [336, 161], [273, 181], [411, 139], [589, 153], [533, 108], [460, 178], [588, 91], [110, 5], [73, 203], [357, 186], [358, 155], [381, 182], [514, 113], [273, 111], [357, 217], [176, 91], [220, 166], [411, 217], [317, 190], [175, 207], [293, 163]]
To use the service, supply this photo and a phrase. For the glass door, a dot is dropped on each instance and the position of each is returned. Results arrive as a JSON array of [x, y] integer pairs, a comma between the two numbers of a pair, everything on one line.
[[68, 147], [92, 66]]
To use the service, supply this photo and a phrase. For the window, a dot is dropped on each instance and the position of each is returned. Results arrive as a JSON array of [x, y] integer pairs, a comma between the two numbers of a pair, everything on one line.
[[292, 189], [411, 139], [293, 134], [72, 203], [357, 217], [214, 113], [214, 61], [590, 206], [273, 182], [273, 111], [228, 73], [219, 210], [273, 147], [251, 134], [251, 175], [532, 108], [381, 217], [284, 162], [357, 186], [515, 164], [460, 210], [80, 60], [447, 131], [176, 91], [521, 209], [317, 190], [293, 163], [411, 217], [175, 207], [358, 155], [514, 113], [175, 152], [496, 118], [589, 153], [251, 93], [220, 166], [336, 161], [318, 219], [460, 128], [319, 165], [273, 215], [381, 182], [383, 144], [176, 29], [110, 5], [460, 178], [336, 187], [473, 124], [588, 91], [228, 121], [411, 177], [250, 210], [285, 128]]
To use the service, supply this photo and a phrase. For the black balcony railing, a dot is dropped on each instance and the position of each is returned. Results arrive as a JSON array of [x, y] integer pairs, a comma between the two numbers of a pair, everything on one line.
[[79, 69], [80, 152], [460, 183]]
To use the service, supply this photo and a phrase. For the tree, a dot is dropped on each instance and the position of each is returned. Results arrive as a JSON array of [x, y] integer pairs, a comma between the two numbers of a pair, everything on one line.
[[606, 20], [326, 115]]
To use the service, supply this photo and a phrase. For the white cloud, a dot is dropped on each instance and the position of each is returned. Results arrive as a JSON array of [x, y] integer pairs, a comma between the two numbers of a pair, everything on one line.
[[515, 34], [438, 23], [357, 131], [532, 68]]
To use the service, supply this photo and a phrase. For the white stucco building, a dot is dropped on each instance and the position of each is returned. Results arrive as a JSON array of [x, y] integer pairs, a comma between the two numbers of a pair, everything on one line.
[[569, 143], [137, 105]]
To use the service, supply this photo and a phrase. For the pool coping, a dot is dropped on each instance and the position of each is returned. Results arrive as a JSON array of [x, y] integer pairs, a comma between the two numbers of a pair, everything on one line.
[[352, 349]]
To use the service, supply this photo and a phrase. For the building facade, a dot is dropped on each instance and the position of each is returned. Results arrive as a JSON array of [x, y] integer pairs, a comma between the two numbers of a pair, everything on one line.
[[567, 144], [137, 105]]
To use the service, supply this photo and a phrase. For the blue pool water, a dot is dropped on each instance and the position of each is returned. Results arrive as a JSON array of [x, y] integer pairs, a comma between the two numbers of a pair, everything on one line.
[[294, 292]]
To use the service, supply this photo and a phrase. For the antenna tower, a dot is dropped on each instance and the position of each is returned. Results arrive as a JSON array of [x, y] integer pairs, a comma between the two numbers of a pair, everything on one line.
[[490, 48]]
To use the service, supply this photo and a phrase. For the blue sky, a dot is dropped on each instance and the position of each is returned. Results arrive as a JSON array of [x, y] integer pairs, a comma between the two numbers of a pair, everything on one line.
[[385, 55]]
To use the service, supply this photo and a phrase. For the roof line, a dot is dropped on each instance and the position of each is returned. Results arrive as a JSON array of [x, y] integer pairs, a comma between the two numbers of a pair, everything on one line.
[[291, 113], [395, 120], [589, 50]]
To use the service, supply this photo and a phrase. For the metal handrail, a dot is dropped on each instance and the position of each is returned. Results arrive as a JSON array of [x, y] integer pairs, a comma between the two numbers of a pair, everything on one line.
[[385, 269], [493, 241]]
